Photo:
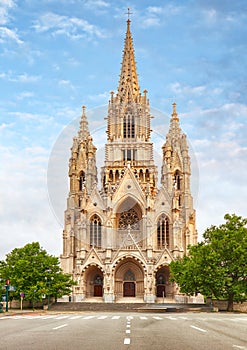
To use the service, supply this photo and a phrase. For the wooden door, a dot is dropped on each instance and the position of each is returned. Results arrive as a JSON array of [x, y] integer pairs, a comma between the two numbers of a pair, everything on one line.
[[97, 290], [161, 291], [129, 289]]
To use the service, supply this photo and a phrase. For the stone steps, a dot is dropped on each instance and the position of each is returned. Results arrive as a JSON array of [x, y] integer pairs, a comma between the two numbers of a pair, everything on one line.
[[135, 307]]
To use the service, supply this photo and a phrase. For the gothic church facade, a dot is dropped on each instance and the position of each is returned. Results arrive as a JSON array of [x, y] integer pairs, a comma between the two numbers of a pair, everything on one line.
[[122, 232]]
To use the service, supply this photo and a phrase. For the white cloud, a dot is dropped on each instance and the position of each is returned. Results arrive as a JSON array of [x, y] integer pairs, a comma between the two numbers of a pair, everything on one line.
[[5, 126], [72, 27], [179, 88], [96, 4], [19, 78], [150, 22], [24, 94], [5, 5], [6, 34]]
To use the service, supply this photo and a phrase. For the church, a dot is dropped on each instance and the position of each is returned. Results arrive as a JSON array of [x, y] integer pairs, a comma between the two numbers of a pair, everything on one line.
[[127, 221]]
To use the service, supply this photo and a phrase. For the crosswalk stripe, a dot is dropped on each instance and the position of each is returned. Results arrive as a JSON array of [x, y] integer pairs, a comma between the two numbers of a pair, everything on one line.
[[115, 317], [102, 317], [75, 317], [88, 317], [171, 318], [143, 318], [157, 318], [61, 317]]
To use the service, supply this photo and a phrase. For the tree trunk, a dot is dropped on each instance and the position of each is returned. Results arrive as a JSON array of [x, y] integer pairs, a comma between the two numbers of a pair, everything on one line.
[[230, 303]]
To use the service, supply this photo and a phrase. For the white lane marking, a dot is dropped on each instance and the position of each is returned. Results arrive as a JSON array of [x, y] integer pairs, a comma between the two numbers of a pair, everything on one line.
[[128, 331], [171, 318], [126, 341], [128, 325], [102, 317], [158, 318], [239, 347], [115, 317], [75, 317], [129, 318], [198, 329], [143, 318], [62, 325], [88, 317], [183, 318], [61, 317]]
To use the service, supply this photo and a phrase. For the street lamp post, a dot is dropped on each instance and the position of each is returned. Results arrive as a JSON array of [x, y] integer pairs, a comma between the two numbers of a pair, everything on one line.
[[7, 294], [49, 286]]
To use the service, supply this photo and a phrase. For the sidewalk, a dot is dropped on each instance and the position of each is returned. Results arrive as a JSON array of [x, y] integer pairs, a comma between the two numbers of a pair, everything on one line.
[[14, 312]]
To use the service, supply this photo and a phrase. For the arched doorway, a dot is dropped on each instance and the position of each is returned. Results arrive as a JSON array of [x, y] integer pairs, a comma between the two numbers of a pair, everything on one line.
[[129, 279], [162, 282], [93, 282]]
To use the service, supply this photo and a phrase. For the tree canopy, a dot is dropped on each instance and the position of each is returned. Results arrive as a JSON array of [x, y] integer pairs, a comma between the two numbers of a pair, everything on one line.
[[34, 272], [217, 266]]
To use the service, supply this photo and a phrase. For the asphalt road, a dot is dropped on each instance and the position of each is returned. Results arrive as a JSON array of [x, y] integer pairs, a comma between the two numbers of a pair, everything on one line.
[[116, 331]]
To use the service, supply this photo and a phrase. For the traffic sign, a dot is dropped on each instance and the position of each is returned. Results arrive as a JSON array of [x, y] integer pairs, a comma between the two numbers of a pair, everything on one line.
[[12, 288]]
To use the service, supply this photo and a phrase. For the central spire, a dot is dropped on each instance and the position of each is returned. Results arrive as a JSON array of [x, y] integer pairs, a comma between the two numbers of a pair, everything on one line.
[[128, 87]]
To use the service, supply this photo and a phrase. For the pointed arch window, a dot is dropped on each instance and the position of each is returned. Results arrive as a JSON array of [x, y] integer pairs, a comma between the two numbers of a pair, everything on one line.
[[177, 180], [163, 232], [128, 126], [81, 181], [95, 231]]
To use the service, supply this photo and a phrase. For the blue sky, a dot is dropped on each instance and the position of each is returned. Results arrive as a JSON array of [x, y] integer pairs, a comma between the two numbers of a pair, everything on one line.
[[56, 56]]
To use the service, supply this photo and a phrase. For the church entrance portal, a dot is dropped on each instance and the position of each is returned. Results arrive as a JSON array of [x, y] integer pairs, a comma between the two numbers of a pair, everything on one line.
[[129, 279], [162, 282], [93, 281]]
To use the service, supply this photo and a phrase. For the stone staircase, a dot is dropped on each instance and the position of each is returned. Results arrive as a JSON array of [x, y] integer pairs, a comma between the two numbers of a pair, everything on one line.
[[130, 307]]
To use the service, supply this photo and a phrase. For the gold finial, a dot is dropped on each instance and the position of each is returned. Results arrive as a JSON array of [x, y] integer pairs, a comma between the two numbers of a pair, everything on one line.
[[129, 13], [174, 112], [174, 108]]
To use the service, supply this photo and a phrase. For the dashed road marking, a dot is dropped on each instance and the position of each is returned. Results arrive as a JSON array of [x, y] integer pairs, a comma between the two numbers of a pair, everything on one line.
[[198, 329], [61, 326], [126, 341]]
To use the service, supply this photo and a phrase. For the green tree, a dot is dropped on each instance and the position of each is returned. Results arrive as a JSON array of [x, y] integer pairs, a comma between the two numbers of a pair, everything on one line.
[[216, 267], [34, 272]]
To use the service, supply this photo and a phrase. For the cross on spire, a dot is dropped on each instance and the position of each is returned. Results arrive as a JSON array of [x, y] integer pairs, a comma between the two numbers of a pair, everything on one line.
[[128, 13]]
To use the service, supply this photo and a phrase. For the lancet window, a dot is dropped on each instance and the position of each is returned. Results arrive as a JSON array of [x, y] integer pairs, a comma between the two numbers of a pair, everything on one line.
[[177, 180], [128, 126], [163, 232], [95, 231], [81, 181]]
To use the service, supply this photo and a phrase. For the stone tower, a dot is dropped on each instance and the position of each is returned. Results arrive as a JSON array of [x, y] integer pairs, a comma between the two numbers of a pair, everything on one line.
[[121, 235]]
